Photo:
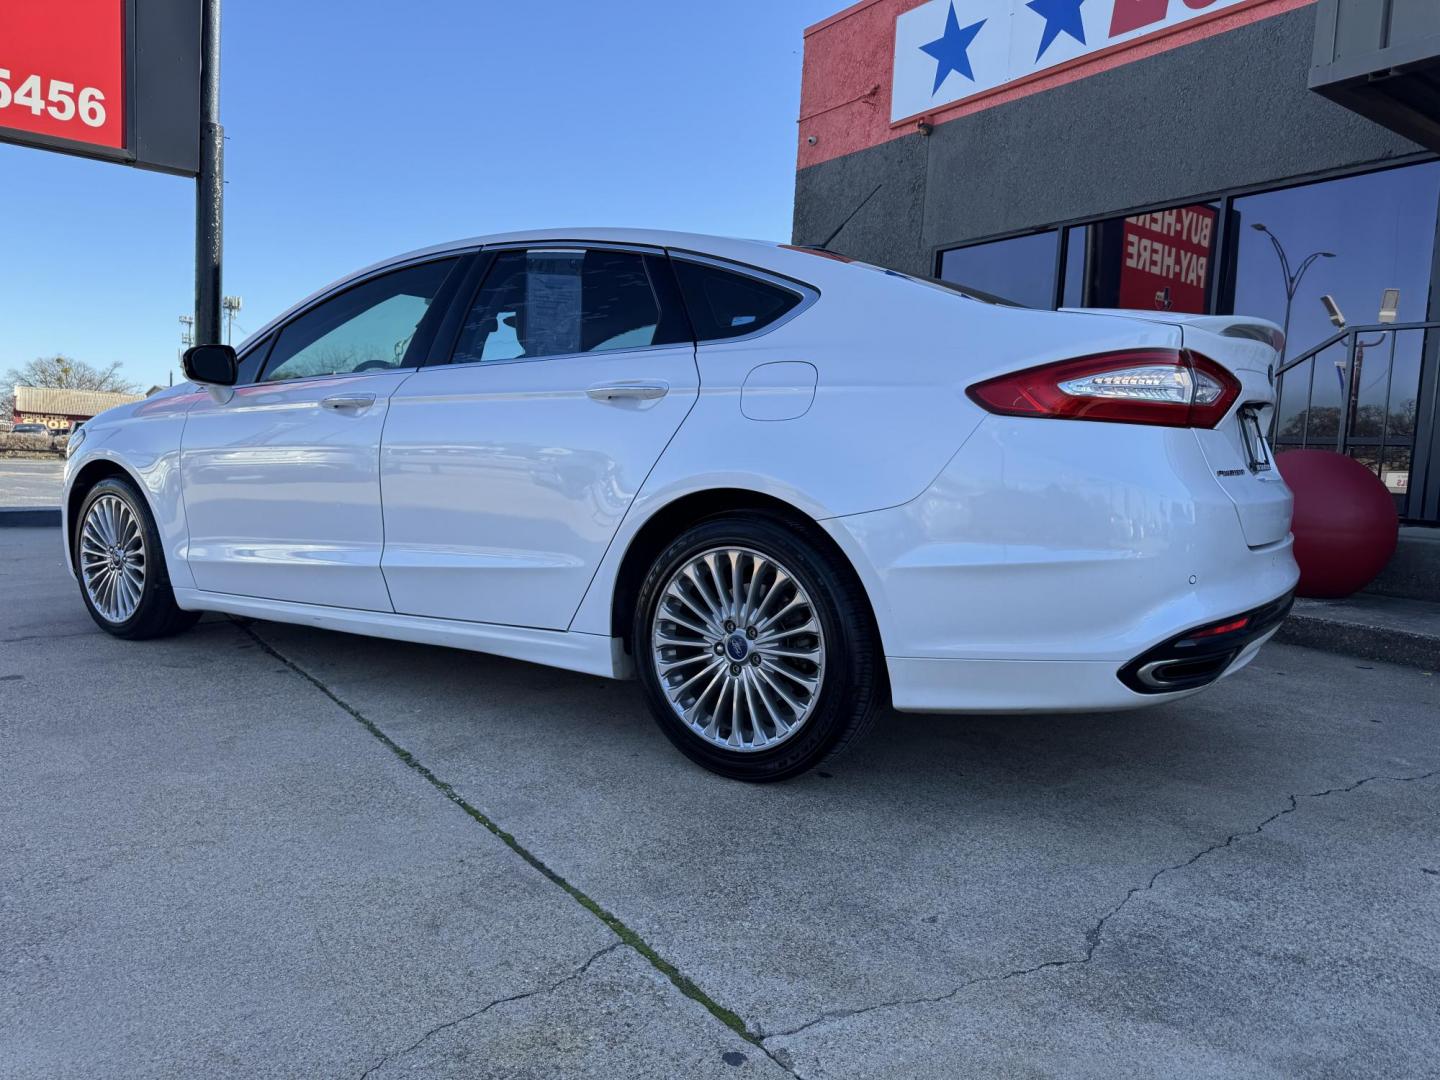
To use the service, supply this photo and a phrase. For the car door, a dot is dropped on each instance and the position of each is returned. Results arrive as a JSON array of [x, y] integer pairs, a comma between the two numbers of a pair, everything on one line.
[[506, 472], [282, 482]]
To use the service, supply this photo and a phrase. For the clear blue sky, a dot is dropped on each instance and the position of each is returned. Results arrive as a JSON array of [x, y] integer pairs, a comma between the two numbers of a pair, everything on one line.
[[365, 128]]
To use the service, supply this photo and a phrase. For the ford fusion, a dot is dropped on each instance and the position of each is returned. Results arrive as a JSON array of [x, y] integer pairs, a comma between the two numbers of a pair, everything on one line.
[[781, 489]]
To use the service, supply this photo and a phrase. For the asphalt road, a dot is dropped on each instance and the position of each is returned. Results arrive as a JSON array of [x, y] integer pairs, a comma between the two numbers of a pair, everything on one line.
[[265, 851], [30, 481]]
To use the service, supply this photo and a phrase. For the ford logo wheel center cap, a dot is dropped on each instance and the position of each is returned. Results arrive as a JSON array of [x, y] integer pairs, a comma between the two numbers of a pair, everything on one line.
[[737, 647]]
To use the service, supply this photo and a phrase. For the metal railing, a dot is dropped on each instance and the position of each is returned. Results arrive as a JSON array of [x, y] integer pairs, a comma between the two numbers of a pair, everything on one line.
[[1368, 412]]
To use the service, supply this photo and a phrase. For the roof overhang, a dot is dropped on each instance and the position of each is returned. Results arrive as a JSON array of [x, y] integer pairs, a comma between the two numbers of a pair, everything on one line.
[[1383, 62]]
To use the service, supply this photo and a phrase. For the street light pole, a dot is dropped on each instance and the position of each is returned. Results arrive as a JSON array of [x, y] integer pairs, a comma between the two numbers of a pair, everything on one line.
[[209, 184], [231, 306], [187, 333], [1292, 281]]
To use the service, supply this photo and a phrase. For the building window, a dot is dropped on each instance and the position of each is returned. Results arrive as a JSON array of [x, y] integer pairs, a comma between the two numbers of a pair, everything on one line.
[[1073, 292], [1373, 232], [1021, 269], [1365, 242], [1160, 261], [1361, 236]]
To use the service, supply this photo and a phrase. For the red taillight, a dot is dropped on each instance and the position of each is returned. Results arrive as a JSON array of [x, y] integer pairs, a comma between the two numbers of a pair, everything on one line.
[[1223, 628], [1170, 387]]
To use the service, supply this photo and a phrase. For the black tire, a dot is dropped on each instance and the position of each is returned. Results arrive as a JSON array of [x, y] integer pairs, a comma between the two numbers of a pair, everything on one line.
[[852, 688], [156, 615]]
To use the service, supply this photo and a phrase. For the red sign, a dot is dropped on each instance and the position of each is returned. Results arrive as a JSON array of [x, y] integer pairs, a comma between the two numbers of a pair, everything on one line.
[[1165, 260], [62, 72]]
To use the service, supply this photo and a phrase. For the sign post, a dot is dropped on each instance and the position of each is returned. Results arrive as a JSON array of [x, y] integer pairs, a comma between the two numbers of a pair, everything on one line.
[[209, 185], [135, 82]]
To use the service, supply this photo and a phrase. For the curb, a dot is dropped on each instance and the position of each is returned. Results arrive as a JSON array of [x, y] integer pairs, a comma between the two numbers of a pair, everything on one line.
[[30, 516], [1388, 645]]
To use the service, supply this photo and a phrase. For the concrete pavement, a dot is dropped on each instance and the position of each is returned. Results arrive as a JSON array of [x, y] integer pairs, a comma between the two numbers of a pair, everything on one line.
[[265, 850]]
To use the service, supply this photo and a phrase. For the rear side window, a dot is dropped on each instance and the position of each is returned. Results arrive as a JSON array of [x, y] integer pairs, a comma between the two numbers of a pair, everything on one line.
[[725, 304], [549, 302]]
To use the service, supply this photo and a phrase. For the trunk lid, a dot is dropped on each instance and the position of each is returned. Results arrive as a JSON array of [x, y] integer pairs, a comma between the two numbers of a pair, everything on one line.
[[1237, 450]]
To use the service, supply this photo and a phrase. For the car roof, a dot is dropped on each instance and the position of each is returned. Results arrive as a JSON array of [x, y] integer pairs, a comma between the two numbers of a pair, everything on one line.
[[660, 238]]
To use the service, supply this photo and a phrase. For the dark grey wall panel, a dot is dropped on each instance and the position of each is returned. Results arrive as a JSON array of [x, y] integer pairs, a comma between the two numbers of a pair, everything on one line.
[[888, 230], [1231, 111]]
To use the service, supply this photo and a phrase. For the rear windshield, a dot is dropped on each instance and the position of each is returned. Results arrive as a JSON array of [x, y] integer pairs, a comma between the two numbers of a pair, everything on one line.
[[935, 283]]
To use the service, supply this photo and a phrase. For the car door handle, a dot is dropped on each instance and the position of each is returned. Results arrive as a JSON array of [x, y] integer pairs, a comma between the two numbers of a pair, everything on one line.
[[628, 391], [355, 402]]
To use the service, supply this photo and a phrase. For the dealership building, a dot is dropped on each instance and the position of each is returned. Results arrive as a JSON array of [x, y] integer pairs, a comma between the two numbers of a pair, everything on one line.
[[1265, 157], [60, 410]]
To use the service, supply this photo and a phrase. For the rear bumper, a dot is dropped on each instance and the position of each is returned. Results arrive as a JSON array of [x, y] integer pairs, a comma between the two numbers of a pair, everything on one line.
[[1028, 686], [1197, 657], [1047, 557]]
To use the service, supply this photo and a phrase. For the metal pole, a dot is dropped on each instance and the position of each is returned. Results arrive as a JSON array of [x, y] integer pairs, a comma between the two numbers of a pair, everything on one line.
[[1343, 419], [210, 184], [1285, 331]]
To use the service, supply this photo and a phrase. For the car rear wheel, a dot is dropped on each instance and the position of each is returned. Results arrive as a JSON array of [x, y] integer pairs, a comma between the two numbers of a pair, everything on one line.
[[756, 649], [121, 569]]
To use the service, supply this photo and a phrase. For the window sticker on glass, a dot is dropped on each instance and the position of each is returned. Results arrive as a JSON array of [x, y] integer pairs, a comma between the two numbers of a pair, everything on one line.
[[542, 303], [552, 293]]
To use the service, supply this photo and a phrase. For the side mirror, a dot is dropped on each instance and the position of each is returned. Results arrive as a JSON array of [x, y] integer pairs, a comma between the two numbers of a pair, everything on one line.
[[211, 365]]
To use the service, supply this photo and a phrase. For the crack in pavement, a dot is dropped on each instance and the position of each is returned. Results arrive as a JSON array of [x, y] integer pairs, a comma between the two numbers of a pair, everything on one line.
[[578, 973], [627, 936], [49, 637], [732, 1020], [1095, 933]]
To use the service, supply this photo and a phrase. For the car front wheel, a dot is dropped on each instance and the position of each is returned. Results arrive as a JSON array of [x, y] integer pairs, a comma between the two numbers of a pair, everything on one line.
[[756, 649], [120, 566]]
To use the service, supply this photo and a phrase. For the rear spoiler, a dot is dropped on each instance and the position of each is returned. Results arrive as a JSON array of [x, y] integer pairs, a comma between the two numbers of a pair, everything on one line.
[[1249, 329], [1231, 326]]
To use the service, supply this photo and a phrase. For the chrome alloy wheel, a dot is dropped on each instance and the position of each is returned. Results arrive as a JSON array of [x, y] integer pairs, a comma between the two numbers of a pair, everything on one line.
[[112, 558], [738, 649]]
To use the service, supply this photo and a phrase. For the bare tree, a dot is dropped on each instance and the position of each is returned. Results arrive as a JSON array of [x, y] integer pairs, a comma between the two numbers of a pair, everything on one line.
[[1323, 422], [66, 373]]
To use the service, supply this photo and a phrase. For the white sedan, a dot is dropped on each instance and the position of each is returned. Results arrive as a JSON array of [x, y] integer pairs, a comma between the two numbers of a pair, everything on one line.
[[783, 489]]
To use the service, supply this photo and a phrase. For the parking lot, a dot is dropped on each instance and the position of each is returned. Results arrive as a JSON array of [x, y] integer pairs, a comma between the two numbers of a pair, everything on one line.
[[30, 481], [265, 851]]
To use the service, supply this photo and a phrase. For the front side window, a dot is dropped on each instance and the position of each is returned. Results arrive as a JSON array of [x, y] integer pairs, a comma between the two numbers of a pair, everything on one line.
[[724, 304], [368, 328], [250, 362], [549, 302]]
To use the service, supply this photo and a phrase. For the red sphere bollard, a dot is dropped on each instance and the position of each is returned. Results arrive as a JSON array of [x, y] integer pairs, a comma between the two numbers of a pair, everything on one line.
[[1345, 523]]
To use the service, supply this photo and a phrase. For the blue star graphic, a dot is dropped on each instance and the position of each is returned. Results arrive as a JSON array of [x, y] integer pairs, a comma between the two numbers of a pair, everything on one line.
[[949, 51], [1061, 16]]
